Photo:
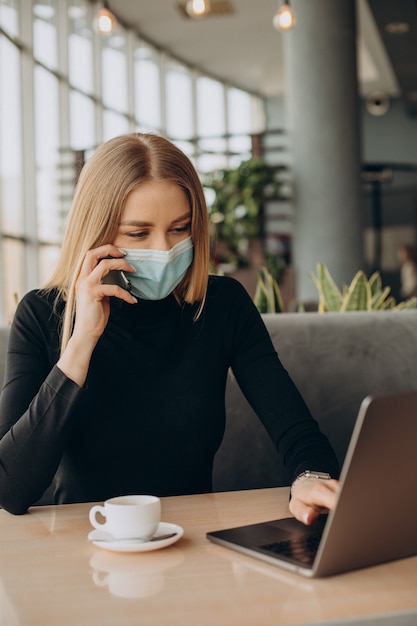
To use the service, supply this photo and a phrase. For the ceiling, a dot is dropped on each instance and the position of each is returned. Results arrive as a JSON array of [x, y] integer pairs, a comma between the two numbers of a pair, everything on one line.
[[402, 47], [245, 50]]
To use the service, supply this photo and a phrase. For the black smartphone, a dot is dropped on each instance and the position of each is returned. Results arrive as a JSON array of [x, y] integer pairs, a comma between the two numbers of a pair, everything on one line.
[[117, 277]]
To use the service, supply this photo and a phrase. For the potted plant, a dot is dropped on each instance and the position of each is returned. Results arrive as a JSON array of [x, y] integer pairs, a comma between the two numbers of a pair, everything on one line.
[[237, 211], [362, 294]]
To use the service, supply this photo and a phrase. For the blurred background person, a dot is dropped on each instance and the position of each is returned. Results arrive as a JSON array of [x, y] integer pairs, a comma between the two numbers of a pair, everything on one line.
[[407, 255]]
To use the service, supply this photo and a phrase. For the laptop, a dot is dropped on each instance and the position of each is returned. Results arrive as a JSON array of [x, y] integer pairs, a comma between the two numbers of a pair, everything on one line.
[[375, 518]]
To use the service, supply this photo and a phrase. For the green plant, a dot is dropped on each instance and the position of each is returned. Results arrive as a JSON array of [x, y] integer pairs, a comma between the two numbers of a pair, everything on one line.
[[361, 295], [267, 296], [237, 209]]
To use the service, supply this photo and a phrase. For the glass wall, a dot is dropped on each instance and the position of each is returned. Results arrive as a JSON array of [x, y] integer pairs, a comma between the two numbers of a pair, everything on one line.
[[11, 174], [147, 87], [63, 90], [11, 167], [211, 123]]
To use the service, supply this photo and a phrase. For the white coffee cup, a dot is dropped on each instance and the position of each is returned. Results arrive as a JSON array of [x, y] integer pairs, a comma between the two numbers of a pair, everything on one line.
[[128, 517]]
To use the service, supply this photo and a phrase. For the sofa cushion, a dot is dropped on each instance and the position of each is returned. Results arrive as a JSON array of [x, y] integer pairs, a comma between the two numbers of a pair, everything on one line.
[[335, 359]]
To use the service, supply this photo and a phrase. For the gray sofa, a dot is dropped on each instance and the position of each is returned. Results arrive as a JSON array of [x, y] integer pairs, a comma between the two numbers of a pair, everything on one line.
[[336, 359]]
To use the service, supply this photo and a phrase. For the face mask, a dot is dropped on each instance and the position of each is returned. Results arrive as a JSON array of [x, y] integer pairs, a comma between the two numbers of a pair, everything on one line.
[[158, 272]]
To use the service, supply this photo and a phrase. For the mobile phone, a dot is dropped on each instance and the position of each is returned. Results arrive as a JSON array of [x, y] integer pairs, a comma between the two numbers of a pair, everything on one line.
[[117, 277]]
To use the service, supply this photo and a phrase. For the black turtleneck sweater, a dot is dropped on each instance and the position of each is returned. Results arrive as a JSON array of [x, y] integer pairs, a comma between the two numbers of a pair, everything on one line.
[[151, 415]]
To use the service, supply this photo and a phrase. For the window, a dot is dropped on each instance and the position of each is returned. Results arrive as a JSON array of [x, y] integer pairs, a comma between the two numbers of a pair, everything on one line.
[[113, 125], [9, 16], [48, 257], [12, 264], [114, 73], [80, 46], [47, 154], [211, 124], [11, 208], [239, 111], [179, 102], [82, 121], [45, 47], [147, 88]]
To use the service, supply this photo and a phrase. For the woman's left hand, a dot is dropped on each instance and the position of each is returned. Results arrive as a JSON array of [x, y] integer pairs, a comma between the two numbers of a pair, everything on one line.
[[311, 497]]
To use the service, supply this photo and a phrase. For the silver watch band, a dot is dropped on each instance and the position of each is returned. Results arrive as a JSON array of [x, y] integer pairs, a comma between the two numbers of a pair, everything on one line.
[[310, 474]]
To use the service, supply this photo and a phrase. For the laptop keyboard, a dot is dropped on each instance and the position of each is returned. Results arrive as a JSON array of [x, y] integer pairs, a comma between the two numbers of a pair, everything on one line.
[[300, 548]]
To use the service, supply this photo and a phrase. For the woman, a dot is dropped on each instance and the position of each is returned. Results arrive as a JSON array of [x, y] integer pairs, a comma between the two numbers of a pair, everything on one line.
[[110, 391]]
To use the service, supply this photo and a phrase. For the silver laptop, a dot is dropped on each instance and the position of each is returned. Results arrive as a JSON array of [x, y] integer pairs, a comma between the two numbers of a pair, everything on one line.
[[375, 518]]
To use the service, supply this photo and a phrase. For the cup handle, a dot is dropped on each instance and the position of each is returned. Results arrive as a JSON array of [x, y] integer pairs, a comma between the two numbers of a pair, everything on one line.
[[93, 512]]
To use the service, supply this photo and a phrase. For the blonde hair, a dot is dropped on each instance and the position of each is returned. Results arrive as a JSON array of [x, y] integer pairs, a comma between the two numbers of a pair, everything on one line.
[[116, 168]]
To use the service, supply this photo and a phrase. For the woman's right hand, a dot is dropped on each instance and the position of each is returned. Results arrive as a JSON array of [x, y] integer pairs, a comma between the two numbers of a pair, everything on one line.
[[92, 308], [92, 304], [311, 497]]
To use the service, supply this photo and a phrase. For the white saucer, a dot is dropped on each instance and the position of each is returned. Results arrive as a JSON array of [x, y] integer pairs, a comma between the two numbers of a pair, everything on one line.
[[103, 539]]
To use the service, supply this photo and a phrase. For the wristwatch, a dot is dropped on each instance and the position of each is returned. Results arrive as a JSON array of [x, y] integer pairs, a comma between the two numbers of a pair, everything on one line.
[[310, 474]]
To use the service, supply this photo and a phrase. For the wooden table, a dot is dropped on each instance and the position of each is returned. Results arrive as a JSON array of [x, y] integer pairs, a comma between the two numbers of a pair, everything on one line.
[[52, 575]]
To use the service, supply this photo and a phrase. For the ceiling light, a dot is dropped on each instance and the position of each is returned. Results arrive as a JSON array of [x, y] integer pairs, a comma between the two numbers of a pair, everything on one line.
[[284, 18], [104, 21], [397, 28], [197, 8]]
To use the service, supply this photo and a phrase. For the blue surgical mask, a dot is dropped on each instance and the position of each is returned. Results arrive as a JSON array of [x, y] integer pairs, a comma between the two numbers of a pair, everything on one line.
[[158, 272]]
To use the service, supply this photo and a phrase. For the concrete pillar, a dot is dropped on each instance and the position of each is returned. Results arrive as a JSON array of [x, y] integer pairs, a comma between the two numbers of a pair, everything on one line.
[[323, 123]]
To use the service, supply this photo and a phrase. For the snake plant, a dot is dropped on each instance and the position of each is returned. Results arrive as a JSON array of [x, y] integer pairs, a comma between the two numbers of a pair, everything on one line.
[[267, 296], [362, 294]]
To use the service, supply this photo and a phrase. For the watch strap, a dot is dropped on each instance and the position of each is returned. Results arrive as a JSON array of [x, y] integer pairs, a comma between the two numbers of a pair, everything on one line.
[[310, 474]]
